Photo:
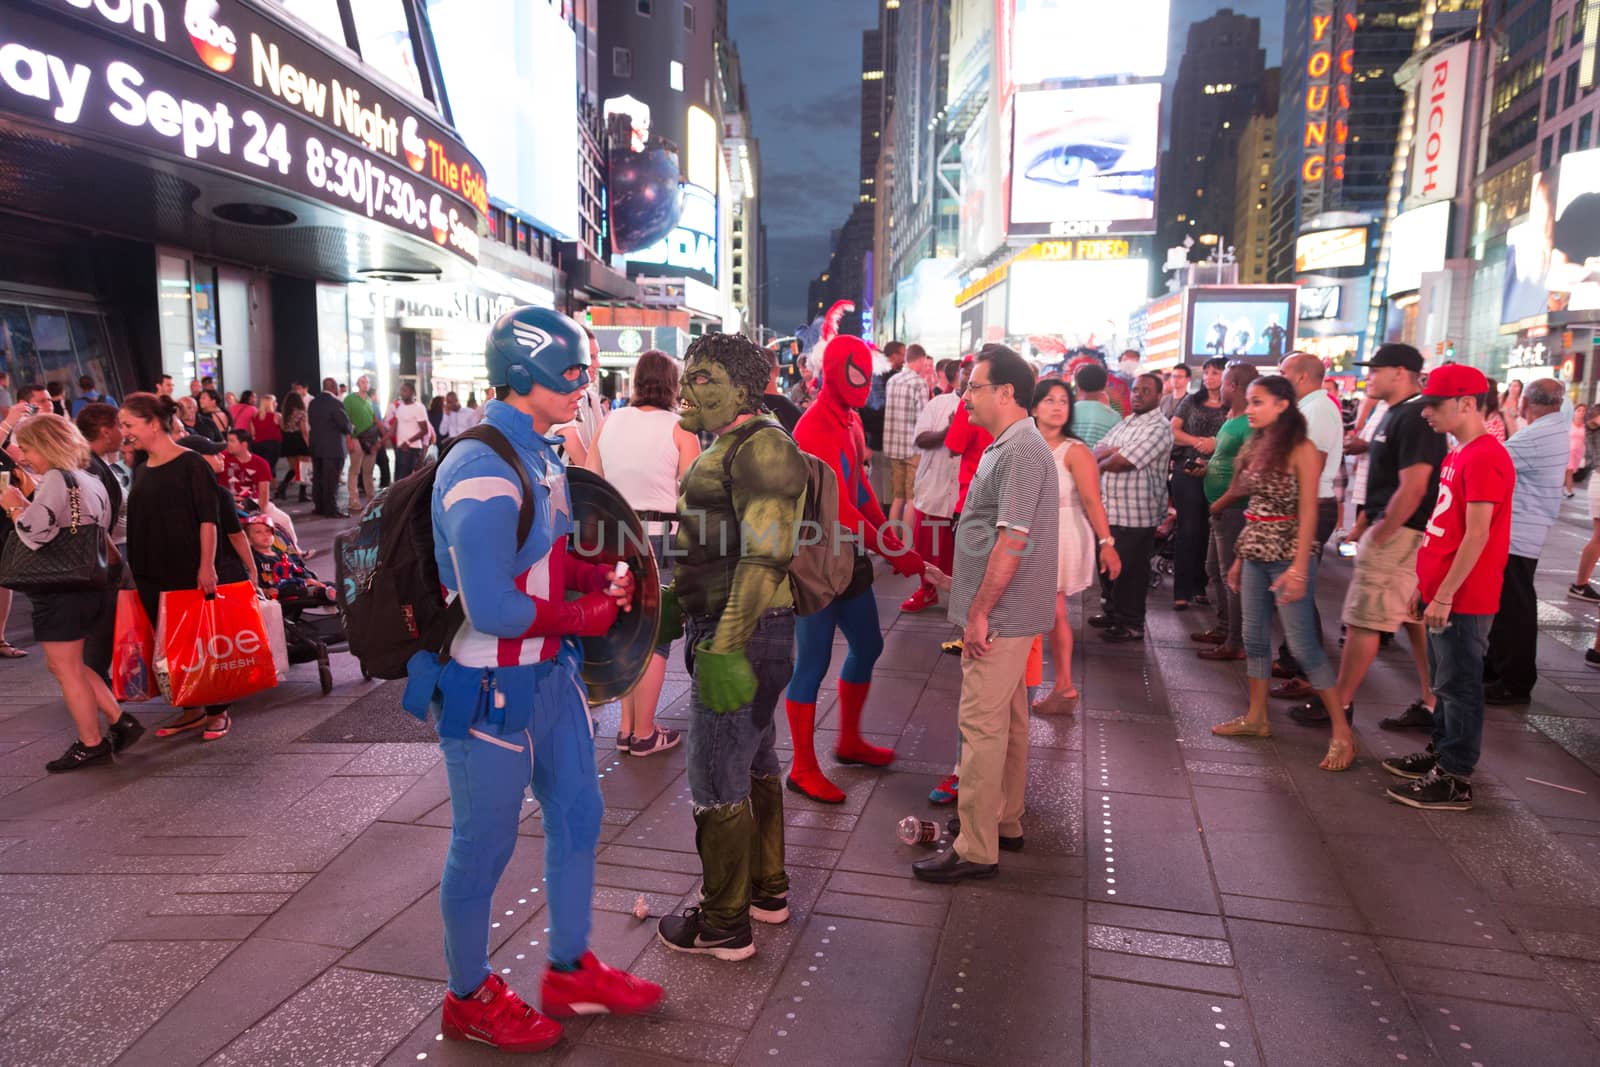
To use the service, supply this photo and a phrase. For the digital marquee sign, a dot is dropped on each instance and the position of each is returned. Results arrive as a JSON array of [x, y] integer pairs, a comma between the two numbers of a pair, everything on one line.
[[232, 90], [1329, 67]]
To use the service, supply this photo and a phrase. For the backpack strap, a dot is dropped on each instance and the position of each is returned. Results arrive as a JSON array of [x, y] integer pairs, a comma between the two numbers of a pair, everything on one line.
[[741, 435]]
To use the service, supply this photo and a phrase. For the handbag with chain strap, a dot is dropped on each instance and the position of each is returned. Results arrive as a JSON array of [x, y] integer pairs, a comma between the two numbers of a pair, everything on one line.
[[78, 559]]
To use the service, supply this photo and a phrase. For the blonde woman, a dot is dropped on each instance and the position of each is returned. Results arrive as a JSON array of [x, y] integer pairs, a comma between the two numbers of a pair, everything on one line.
[[67, 493], [266, 427]]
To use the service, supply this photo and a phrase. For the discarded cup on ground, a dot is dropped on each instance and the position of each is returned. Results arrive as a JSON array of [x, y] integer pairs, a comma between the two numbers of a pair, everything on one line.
[[915, 831], [641, 908]]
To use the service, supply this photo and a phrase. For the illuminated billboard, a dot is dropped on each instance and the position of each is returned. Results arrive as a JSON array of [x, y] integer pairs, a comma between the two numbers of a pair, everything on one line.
[[511, 94], [1077, 300], [1441, 113], [1417, 240], [1526, 292], [1330, 249], [690, 247], [1083, 160], [1251, 322], [1574, 277], [1318, 302], [1082, 39]]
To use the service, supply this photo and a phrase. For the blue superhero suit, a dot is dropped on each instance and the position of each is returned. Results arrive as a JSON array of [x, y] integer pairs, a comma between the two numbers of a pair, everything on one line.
[[511, 707]]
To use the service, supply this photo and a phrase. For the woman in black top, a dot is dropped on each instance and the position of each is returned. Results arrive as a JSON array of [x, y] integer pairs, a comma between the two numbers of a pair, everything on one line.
[[212, 422], [1194, 433], [175, 515]]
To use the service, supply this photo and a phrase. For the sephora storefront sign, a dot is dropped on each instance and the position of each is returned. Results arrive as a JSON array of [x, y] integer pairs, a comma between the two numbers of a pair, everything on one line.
[[225, 87]]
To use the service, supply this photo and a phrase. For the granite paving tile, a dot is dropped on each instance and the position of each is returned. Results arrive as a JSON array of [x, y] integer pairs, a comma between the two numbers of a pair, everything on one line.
[[1155, 851], [1580, 981], [92, 1013], [681, 1040], [1285, 866], [1467, 1032], [1038, 950], [1550, 943], [1294, 913], [411, 757], [1512, 854], [221, 904], [343, 1017], [885, 909], [252, 981], [1139, 1025], [1454, 910], [1302, 981], [190, 927], [831, 987], [1176, 974], [1212, 951], [1488, 961], [1523, 992], [364, 888], [1223, 810]]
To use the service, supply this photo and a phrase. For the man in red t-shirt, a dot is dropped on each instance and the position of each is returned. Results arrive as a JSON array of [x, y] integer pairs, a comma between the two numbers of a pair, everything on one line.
[[1460, 567], [967, 440]]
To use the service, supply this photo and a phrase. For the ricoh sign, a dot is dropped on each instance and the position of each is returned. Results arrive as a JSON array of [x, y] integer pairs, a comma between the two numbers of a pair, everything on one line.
[[1440, 110], [224, 86]]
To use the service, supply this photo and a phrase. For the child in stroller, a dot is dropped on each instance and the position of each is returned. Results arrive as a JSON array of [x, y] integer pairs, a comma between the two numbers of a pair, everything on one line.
[[311, 626]]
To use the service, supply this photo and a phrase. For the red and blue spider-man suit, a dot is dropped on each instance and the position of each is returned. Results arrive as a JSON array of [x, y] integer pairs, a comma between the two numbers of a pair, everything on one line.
[[831, 430]]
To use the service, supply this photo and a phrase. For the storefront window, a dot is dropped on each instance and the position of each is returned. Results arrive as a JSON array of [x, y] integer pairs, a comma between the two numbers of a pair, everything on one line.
[[94, 356], [385, 40], [52, 345], [173, 299], [43, 345], [16, 346], [320, 15]]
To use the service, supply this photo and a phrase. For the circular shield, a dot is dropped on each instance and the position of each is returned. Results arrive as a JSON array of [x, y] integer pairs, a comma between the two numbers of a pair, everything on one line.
[[605, 530]]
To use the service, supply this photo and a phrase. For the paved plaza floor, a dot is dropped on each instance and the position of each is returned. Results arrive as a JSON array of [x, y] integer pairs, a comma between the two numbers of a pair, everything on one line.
[[1182, 899]]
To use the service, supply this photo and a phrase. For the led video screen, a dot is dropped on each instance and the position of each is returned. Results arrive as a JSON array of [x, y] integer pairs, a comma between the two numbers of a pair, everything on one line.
[[1575, 240], [1248, 326], [1330, 250], [1417, 241], [1318, 302], [1083, 39], [1084, 160]]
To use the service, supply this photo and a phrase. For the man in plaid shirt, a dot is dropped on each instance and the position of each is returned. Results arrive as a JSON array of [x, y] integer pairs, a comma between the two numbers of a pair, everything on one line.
[[904, 398], [1133, 483]]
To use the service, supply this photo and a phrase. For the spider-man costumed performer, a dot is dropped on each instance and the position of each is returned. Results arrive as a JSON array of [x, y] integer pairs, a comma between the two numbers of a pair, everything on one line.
[[831, 430]]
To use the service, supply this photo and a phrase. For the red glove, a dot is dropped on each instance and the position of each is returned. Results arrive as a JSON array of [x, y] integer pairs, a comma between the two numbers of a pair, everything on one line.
[[905, 562], [587, 577], [591, 615]]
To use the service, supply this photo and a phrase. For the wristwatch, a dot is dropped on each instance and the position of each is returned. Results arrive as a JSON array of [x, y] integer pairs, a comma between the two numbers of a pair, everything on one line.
[[1105, 541]]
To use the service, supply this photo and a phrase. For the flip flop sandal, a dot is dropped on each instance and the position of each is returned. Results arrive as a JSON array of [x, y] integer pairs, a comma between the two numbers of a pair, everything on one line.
[[1241, 727], [10, 651], [184, 726], [220, 732]]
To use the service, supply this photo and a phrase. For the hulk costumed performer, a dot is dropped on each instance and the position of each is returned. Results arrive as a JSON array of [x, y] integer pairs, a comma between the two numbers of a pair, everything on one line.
[[831, 430], [739, 512], [509, 698]]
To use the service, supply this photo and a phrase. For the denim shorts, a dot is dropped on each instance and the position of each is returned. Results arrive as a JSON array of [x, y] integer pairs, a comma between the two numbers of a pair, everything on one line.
[[725, 750]]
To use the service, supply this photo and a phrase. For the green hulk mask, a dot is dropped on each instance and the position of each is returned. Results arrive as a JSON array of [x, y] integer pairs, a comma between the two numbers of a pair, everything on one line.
[[735, 547]]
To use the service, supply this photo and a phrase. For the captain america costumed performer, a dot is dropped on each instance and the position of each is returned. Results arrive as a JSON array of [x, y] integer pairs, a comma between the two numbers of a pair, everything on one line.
[[509, 698], [740, 506], [831, 430]]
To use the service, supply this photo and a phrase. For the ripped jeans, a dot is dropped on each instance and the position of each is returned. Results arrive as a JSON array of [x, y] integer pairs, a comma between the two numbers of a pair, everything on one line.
[[735, 778]]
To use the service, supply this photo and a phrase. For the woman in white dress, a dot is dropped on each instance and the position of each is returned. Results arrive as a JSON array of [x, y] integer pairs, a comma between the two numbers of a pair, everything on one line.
[[1083, 527], [643, 451]]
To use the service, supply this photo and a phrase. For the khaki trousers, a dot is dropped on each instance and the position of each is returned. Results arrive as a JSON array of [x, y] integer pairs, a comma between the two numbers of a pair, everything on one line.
[[993, 716]]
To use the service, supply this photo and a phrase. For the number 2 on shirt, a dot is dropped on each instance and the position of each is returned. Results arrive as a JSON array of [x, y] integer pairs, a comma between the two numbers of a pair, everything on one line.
[[1439, 509]]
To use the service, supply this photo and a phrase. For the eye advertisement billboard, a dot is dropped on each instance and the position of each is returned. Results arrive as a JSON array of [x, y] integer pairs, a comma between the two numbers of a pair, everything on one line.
[[1330, 250], [1083, 160], [1083, 39], [512, 95], [1574, 280]]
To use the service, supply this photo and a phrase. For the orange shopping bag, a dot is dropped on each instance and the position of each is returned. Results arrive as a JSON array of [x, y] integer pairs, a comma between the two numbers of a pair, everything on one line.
[[133, 650], [1033, 673], [216, 649]]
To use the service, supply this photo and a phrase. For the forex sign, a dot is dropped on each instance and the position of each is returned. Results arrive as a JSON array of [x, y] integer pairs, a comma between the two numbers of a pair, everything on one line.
[[231, 90]]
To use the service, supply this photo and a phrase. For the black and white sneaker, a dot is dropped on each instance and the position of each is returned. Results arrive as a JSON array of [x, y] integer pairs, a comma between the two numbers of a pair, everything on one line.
[[1417, 716], [125, 732], [689, 933], [658, 740], [769, 910], [79, 754], [1438, 790], [1585, 592], [1417, 765], [624, 742]]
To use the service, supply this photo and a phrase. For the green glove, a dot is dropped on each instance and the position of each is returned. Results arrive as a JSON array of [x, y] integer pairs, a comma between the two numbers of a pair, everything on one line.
[[670, 628], [725, 679]]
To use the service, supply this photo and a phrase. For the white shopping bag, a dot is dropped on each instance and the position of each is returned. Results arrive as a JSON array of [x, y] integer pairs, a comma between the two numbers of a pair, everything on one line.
[[272, 622]]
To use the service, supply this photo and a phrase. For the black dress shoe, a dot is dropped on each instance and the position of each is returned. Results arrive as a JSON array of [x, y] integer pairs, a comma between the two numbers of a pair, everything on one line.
[[1312, 713], [1101, 622], [1121, 635], [1007, 844], [949, 867], [1501, 697], [1415, 717]]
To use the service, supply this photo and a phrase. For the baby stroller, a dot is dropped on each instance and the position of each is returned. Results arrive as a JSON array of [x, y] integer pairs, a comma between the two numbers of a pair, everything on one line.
[[1162, 552], [312, 626]]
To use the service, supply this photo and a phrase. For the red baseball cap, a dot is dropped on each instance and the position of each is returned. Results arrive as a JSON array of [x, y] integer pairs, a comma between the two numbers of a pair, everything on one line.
[[1454, 379]]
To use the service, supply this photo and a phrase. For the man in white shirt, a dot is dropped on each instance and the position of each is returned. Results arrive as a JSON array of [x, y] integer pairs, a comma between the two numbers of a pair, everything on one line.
[[936, 486], [579, 434], [1325, 429], [413, 433], [906, 394]]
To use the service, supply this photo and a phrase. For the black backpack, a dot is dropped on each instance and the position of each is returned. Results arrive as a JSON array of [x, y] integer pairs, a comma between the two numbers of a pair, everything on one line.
[[390, 597]]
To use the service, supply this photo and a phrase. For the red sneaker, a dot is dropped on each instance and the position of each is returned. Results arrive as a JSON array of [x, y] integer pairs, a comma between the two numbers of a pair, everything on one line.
[[925, 597], [496, 1016], [595, 989]]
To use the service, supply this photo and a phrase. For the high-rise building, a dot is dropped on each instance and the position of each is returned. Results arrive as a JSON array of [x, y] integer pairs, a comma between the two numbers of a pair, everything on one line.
[[1217, 89], [1252, 186], [741, 158]]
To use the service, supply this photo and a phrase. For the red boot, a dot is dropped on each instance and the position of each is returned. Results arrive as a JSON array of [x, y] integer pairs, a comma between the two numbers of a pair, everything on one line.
[[853, 748], [595, 989], [805, 777], [494, 1015]]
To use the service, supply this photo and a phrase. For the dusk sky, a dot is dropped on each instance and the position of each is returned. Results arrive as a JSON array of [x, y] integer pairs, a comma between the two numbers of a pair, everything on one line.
[[802, 65]]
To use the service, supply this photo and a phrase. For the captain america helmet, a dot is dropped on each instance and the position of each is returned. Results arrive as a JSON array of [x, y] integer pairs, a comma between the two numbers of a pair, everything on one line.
[[531, 346]]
